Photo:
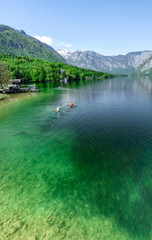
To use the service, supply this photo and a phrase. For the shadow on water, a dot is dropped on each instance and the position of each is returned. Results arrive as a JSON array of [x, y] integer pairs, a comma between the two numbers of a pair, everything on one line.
[[114, 181], [117, 177]]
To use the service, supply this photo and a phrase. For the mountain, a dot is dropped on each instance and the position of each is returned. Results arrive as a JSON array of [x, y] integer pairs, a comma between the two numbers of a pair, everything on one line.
[[145, 67], [121, 64], [17, 42]]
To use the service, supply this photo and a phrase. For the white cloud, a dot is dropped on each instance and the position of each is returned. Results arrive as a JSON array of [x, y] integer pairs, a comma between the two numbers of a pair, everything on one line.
[[69, 45], [45, 39], [65, 44], [55, 44]]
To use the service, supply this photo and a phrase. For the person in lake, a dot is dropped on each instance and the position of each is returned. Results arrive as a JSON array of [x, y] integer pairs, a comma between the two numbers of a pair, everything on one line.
[[71, 104], [58, 109]]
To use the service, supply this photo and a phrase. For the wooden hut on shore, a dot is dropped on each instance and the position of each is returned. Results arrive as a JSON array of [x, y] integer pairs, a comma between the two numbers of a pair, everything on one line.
[[17, 81], [16, 87]]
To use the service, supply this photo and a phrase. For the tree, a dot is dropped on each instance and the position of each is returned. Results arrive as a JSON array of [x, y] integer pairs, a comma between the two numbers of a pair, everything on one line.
[[36, 75], [17, 73], [4, 74], [27, 75], [82, 76], [42, 75]]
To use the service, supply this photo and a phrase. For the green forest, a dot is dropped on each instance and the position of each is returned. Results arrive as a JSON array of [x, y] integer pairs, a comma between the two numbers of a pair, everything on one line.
[[38, 70]]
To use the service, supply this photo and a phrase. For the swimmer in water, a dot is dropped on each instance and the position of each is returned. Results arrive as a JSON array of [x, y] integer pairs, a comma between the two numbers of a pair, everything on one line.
[[71, 104], [58, 109]]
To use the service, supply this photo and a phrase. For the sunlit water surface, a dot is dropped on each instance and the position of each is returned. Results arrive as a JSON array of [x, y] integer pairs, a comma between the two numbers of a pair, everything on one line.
[[82, 173]]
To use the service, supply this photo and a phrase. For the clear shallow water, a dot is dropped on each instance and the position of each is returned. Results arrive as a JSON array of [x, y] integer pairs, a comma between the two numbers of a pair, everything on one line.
[[82, 173]]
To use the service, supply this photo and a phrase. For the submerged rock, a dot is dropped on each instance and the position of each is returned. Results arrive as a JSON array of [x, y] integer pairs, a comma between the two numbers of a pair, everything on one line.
[[32, 238], [17, 226]]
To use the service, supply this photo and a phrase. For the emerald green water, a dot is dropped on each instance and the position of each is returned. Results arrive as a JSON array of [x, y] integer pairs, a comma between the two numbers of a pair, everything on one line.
[[82, 173]]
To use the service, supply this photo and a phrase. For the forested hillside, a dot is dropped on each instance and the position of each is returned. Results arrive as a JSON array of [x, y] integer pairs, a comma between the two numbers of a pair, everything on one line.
[[38, 70], [17, 42]]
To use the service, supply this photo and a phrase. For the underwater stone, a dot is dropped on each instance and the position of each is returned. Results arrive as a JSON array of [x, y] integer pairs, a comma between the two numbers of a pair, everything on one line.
[[16, 227], [32, 238]]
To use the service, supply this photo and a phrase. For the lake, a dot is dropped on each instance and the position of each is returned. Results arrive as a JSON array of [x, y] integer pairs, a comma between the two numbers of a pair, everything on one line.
[[82, 173]]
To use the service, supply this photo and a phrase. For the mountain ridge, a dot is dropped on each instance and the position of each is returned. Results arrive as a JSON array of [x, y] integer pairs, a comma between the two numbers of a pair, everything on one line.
[[119, 64], [17, 42]]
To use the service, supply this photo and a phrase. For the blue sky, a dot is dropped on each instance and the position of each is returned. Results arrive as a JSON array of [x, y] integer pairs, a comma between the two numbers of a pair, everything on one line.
[[105, 26]]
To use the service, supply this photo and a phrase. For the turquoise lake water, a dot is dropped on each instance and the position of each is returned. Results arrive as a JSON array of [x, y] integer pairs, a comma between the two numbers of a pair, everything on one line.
[[82, 173]]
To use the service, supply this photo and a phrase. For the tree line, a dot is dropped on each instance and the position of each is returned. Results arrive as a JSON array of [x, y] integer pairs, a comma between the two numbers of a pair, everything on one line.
[[37, 70]]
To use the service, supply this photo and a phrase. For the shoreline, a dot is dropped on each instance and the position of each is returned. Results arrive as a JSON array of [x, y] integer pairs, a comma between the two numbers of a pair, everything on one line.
[[3, 97], [10, 98]]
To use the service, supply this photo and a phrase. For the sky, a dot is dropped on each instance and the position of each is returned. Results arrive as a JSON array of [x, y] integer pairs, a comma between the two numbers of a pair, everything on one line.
[[109, 27]]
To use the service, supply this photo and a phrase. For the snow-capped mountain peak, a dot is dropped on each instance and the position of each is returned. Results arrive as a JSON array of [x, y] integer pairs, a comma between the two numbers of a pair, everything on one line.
[[113, 64]]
